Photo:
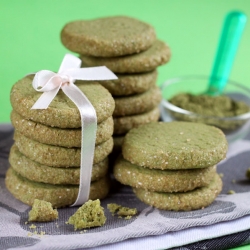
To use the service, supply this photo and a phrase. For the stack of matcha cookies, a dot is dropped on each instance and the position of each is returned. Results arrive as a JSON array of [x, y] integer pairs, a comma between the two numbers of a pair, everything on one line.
[[129, 48], [45, 158], [172, 166]]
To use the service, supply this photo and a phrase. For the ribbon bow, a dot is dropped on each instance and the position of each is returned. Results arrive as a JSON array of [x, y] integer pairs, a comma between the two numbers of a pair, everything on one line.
[[50, 83]]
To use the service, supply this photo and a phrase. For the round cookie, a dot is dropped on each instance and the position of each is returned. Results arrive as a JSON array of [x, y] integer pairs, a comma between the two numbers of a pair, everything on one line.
[[123, 124], [130, 84], [137, 104], [148, 60], [108, 36], [62, 112], [157, 180], [46, 174], [174, 145], [55, 156], [58, 195], [192, 200], [56, 136]]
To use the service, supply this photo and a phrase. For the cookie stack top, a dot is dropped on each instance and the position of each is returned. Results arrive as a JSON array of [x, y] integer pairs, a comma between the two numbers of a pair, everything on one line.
[[123, 44]]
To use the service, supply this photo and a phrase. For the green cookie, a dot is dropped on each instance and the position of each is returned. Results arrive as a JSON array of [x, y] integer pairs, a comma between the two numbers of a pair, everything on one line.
[[57, 136], [108, 36], [55, 156], [123, 124], [62, 112], [192, 200], [58, 195], [174, 145], [157, 180], [137, 104], [52, 175], [148, 60], [130, 84]]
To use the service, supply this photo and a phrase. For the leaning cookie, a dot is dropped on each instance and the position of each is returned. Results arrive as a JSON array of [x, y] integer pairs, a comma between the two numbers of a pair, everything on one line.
[[52, 175], [55, 156], [123, 124], [158, 54], [108, 36], [58, 136], [137, 104], [58, 195], [157, 180], [174, 145], [191, 200], [62, 112], [130, 84]]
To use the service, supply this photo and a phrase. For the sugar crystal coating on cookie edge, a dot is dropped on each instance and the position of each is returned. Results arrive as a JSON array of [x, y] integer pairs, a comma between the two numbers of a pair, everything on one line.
[[174, 145], [108, 36]]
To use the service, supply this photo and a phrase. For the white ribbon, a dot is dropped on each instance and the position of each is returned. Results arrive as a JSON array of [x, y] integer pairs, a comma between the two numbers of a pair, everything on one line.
[[49, 82]]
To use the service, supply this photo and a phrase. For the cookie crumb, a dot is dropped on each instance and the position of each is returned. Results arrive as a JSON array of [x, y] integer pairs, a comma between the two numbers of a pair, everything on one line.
[[32, 226], [42, 211], [231, 192], [90, 214], [248, 173], [221, 175], [121, 211]]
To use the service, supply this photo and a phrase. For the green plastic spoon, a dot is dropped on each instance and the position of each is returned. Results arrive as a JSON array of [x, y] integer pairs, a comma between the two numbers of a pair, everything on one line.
[[230, 37]]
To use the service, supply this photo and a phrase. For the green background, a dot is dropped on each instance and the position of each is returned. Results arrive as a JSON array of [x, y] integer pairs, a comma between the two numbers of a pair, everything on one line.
[[30, 35]]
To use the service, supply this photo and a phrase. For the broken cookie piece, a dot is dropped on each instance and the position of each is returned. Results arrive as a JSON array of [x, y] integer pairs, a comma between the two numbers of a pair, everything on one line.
[[248, 173], [90, 214], [121, 211], [42, 211]]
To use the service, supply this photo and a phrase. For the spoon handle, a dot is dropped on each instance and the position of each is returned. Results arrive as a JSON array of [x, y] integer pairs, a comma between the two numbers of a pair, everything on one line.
[[230, 37]]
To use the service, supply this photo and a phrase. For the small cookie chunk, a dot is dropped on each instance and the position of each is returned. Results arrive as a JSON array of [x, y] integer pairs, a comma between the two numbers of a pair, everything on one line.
[[174, 145], [62, 112], [123, 124], [192, 200], [55, 156], [108, 36], [157, 180], [58, 195], [90, 214], [42, 211], [121, 211], [59, 137], [52, 175], [130, 84], [137, 104], [248, 173], [158, 54]]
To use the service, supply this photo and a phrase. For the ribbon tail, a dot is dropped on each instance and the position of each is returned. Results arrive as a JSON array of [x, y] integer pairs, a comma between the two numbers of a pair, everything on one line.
[[91, 73], [45, 99], [89, 127]]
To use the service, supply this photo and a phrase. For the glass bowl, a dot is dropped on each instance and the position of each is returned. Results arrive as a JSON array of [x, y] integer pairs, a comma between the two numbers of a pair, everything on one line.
[[234, 127]]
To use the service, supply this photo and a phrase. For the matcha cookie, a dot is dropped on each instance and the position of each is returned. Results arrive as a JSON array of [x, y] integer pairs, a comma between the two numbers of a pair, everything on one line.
[[162, 180], [158, 54], [108, 36], [42, 211], [195, 199], [137, 104], [130, 84], [52, 175], [90, 214], [123, 124], [174, 145], [55, 156], [58, 195], [62, 112], [56, 136]]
